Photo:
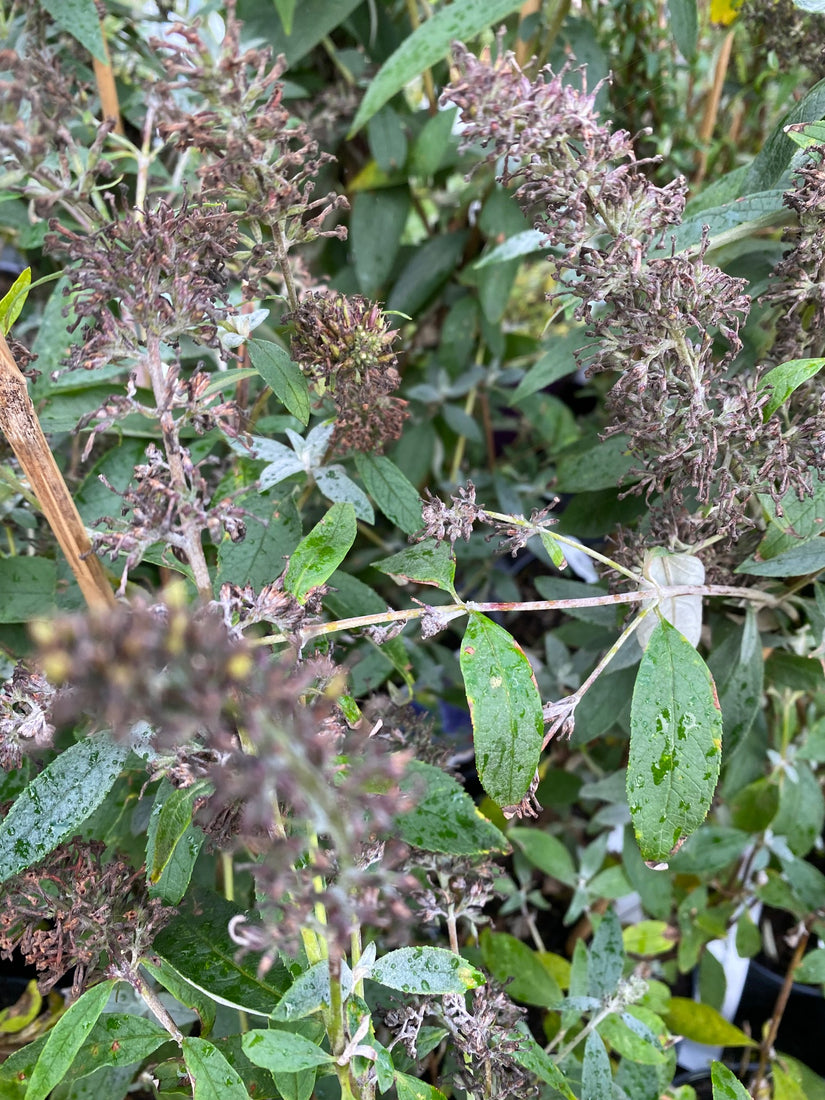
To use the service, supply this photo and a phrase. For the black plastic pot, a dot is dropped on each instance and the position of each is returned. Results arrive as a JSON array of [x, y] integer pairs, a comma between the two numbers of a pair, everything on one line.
[[802, 1029], [700, 1082]]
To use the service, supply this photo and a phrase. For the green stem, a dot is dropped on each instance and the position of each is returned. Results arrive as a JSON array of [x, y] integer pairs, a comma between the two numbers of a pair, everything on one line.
[[519, 521]]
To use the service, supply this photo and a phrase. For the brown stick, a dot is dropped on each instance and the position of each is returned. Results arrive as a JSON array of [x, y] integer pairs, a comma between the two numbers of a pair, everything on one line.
[[109, 105], [524, 46], [19, 424], [708, 123]]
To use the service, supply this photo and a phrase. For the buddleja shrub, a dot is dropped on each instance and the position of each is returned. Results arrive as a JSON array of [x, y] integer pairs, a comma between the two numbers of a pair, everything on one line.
[[222, 729]]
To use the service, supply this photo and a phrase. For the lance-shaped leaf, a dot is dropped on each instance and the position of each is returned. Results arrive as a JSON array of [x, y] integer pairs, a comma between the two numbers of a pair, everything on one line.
[[505, 707], [391, 490], [444, 817], [57, 801], [65, 1040], [426, 970], [319, 553], [427, 562], [675, 743], [725, 1084], [427, 44], [283, 1051], [13, 301], [282, 376], [784, 379], [212, 1076]]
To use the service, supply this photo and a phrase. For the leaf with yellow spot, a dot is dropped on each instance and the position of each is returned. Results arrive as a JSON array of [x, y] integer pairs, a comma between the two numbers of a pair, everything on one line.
[[505, 708]]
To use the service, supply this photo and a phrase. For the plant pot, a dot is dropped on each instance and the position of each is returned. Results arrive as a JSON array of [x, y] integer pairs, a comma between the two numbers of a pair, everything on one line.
[[803, 1021]]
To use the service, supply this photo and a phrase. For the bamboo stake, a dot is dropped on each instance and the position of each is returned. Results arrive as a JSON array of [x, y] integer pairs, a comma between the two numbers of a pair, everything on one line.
[[19, 424], [105, 78], [714, 97]]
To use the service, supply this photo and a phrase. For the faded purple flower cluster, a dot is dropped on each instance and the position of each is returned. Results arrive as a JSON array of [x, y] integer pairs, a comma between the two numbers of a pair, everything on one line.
[[74, 910], [667, 324], [265, 734], [344, 344]]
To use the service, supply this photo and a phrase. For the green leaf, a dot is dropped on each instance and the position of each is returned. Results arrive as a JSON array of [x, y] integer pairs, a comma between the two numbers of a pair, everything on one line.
[[546, 852], [173, 842], [410, 1088], [520, 244], [508, 958], [427, 44], [17, 1016], [787, 1087], [434, 144], [792, 520], [648, 938], [387, 140], [197, 947], [260, 557], [28, 587], [376, 224], [806, 881], [313, 20], [606, 957], [554, 549], [725, 1084], [58, 800], [426, 970], [66, 1038], [427, 562], [703, 1024], [341, 489], [182, 991], [429, 267], [306, 995], [675, 743], [784, 379], [11, 305], [80, 19], [597, 1080], [711, 849], [738, 670], [556, 362], [319, 553], [349, 597], [812, 968], [117, 1039], [213, 1077], [392, 491], [584, 469], [505, 708], [286, 10], [801, 813], [283, 1051], [535, 1059], [730, 221], [444, 817], [806, 134], [282, 376], [684, 25], [634, 1038], [769, 164], [805, 557]]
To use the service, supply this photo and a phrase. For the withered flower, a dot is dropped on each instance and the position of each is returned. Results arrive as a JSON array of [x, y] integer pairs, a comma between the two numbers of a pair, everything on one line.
[[667, 324], [73, 910], [24, 716], [344, 344]]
